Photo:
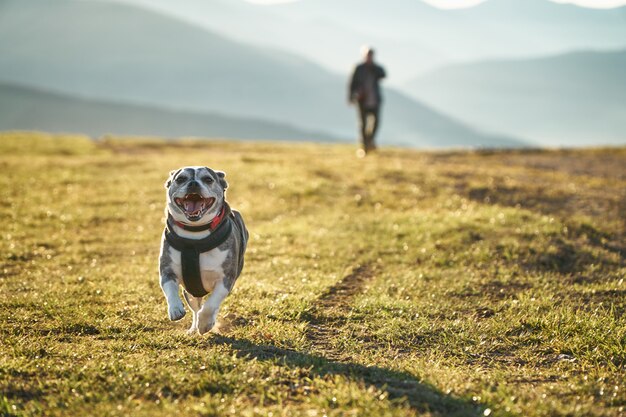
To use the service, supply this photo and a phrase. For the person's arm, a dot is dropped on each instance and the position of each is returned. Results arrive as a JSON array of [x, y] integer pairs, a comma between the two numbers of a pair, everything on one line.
[[381, 72]]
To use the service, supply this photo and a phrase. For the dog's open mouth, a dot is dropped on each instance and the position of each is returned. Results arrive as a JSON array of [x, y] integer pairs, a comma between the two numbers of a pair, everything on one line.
[[194, 205]]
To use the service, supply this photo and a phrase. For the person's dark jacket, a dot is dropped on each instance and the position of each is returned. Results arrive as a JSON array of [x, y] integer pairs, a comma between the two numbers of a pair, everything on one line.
[[358, 79]]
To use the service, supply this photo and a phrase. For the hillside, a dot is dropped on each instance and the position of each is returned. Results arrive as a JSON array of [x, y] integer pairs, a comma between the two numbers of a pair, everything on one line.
[[115, 52], [495, 28], [411, 36], [30, 109], [569, 99], [405, 283], [315, 34]]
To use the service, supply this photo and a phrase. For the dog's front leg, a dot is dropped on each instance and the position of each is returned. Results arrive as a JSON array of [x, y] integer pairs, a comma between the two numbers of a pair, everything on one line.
[[208, 313], [175, 307], [169, 284], [194, 303]]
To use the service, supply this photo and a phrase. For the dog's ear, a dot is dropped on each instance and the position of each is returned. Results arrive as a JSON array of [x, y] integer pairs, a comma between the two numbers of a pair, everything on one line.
[[221, 179], [171, 177]]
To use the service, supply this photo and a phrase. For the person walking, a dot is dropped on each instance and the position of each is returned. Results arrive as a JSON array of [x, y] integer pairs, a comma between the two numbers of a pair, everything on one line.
[[365, 92]]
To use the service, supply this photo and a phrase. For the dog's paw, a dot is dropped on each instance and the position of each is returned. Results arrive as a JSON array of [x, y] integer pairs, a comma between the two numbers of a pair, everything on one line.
[[176, 311], [204, 328], [205, 322]]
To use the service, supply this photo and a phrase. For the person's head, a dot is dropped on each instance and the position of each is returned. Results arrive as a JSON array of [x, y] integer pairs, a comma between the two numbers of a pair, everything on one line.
[[368, 54]]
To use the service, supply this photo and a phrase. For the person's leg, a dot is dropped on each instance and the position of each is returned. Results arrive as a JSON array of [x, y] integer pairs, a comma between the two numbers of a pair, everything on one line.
[[375, 112], [363, 125], [371, 129], [368, 130]]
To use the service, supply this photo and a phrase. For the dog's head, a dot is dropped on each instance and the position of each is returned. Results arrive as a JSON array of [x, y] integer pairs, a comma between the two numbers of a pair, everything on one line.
[[195, 193]]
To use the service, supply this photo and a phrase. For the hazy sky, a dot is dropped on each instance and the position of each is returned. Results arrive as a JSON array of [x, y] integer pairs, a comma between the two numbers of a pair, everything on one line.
[[453, 4]]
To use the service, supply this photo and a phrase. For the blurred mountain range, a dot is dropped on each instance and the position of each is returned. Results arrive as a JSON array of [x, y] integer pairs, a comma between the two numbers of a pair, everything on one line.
[[409, 35], [120, 53], [567, 100], [24, 108], [287, 66]]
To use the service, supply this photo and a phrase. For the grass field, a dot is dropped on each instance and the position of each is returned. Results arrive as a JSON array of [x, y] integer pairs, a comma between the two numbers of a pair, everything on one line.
[[405, 283]]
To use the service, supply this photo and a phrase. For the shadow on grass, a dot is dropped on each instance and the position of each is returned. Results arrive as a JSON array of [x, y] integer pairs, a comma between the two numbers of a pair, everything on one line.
[[420, 396]]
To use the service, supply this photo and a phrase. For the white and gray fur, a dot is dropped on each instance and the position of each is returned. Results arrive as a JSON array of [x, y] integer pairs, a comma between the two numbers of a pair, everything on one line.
[[219, 267]]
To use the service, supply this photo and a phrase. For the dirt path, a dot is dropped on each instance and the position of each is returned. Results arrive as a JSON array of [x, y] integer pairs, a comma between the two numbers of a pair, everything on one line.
[[339, 294], [330, 310]]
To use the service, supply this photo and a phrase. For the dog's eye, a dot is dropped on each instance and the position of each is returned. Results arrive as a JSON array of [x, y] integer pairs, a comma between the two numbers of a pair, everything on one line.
[[180, 180], [207, 179]]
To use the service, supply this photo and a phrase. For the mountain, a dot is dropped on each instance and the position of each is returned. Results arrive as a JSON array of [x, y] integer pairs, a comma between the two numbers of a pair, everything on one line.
[[334, 43], [504, 28], [410, 35], [570, 99], [530, 28], [116, 52], [24, 108]]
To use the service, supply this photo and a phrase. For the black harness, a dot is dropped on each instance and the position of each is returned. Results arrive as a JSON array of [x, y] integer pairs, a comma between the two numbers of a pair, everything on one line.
[[190, 249]]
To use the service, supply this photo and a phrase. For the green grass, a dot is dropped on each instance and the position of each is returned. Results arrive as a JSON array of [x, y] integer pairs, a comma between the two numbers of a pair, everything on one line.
[[429, 283]]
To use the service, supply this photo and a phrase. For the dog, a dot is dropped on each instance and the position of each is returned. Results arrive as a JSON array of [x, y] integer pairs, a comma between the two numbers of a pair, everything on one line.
[[203, 245]]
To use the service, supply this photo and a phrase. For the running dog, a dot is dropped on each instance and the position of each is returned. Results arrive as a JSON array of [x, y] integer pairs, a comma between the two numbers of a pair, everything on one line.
[[203, 245]]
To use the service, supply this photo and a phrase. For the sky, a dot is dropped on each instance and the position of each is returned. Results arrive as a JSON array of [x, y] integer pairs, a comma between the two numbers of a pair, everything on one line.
[[455, 4]]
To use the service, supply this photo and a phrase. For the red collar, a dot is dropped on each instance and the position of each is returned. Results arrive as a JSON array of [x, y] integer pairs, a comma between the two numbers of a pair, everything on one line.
[[212, 225]]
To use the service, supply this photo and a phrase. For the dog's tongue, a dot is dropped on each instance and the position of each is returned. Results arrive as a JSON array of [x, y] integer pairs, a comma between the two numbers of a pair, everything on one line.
[[191, 206]]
